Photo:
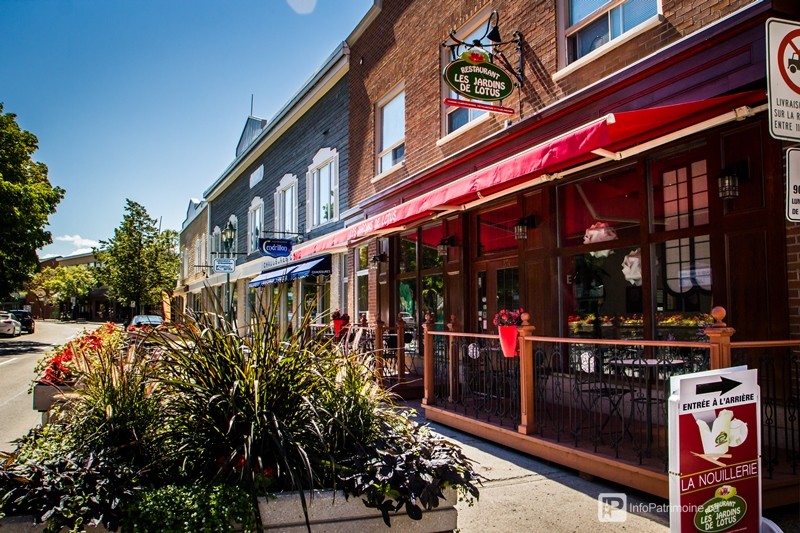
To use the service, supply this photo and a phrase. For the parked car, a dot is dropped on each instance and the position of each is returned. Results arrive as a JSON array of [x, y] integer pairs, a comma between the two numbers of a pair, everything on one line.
[[9, 325], [407, 317], [24, 318], [144, 321]]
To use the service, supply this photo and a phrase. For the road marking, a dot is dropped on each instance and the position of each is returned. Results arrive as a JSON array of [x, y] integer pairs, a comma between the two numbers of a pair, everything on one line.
[[9, 361]]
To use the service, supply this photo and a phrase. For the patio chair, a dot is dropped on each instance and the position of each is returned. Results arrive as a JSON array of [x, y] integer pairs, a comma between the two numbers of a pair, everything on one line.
[[596, 385]]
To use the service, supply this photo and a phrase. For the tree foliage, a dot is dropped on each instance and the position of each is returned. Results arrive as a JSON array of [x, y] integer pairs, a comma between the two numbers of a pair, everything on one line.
[[140, 261], [27, 199], [65, 282]]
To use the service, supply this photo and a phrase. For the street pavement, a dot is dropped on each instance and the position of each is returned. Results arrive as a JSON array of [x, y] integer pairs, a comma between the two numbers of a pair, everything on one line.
[[522, 493]]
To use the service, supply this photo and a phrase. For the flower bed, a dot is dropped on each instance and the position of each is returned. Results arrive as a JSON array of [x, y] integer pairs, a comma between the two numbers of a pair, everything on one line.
[[265, 414]]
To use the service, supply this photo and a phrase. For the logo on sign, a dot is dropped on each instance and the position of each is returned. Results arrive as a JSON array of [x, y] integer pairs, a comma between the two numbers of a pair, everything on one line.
[[481, 81], [275, 247]]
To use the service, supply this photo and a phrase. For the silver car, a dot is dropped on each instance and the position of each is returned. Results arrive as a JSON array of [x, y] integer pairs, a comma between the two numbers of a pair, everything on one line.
[[9, 325]]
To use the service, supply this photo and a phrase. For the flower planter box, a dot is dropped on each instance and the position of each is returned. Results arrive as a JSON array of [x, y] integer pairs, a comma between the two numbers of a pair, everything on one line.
[[330, 512], [45, 395], [326, 513], [24, 524]]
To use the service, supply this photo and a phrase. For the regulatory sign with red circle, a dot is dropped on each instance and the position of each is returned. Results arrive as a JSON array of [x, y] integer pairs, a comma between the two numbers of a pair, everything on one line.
[[783, 78]]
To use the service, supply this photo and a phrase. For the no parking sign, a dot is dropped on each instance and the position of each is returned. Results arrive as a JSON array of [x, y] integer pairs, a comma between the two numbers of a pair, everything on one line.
[[783, 78]]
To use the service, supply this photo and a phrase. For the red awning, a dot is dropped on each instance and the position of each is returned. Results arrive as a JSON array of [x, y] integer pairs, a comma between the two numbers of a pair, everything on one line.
[[611, 133]]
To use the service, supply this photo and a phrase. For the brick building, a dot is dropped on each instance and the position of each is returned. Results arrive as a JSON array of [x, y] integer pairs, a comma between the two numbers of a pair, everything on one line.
[[707, 59]]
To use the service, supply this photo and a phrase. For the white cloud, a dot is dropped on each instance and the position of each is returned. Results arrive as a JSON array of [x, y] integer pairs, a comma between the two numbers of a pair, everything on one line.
[[302, 7], [76, 240]]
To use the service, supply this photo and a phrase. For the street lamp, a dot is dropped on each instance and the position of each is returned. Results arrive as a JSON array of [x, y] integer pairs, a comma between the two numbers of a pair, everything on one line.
[[228, 235]]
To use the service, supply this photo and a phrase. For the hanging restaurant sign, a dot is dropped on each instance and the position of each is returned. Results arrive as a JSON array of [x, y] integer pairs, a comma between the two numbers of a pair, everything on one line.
[[478, 80], [274, 247]]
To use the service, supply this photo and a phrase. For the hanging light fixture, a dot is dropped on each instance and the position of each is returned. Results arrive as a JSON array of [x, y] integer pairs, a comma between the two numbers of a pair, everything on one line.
[[522, 227], [729, 179], [444, 244], [376, 260], [728, 183]]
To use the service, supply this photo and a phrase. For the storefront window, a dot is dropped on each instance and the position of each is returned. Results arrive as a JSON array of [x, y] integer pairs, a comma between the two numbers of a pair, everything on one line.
[[683, 288], [508, 288], [408, 253], [431, 237], [605, 294], [407, 295], [680, 196], [433, 298], [496, 229], [600, 209], [362, 282], [503, 283]]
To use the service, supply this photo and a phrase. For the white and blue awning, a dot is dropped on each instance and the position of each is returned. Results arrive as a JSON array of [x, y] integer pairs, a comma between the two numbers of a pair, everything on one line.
[[318, 266]]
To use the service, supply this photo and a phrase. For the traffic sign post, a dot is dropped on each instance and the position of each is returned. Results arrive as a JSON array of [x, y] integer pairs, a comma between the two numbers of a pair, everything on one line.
[[783, 78], [715, 444]]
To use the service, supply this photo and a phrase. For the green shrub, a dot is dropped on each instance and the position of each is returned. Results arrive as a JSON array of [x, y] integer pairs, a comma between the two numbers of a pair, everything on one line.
[[195, 508]]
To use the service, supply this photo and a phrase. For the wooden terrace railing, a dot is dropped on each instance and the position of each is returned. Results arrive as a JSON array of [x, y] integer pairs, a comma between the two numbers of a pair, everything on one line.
[[600, 405]]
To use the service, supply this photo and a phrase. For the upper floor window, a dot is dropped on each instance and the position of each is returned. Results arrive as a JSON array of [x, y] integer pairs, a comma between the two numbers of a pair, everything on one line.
[[216, 244], [255, 221], [322, 188], [593, 23], [256, 175], [286, 205], [198, 253], [391, 122]]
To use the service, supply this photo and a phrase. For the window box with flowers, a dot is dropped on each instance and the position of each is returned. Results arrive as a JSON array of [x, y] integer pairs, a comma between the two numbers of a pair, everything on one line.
[[507, 322]]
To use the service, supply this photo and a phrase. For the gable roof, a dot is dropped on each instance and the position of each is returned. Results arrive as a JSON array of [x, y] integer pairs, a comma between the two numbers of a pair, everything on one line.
[[252, 128]]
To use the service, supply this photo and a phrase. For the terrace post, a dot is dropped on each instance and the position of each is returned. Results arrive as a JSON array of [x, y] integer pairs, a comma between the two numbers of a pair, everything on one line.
[[427, 328], [452, 351], [719, 337], [401, 349], [526, 377], [379, 347]]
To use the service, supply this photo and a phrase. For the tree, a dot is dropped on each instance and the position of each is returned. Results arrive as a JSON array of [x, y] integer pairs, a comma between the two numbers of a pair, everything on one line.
[[27, 199], [63, 283], [140, 261]]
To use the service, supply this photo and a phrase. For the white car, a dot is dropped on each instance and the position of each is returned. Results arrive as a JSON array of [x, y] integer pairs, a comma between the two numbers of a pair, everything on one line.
[[9, 325]]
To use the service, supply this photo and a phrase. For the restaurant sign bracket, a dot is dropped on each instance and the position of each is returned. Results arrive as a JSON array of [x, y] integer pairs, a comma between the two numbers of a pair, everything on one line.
[[473, 72]]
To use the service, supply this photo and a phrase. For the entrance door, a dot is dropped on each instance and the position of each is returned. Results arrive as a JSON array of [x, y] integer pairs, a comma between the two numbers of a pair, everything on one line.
[[497, 288]]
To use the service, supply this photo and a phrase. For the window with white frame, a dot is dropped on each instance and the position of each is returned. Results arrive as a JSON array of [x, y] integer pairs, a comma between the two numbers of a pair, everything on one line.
[[322, 188], [256, 175], [591, 24], [255, 223], [185, 261], [286, 205], [216, 244], [391, 133], [198, 253], [362, 282], [457, 117]]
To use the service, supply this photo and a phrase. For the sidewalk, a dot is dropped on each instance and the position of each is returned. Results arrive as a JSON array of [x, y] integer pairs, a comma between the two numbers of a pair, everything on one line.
[[522, 493]]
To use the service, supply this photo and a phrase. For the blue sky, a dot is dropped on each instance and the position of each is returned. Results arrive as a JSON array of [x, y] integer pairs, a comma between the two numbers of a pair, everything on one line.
[[146, 99]]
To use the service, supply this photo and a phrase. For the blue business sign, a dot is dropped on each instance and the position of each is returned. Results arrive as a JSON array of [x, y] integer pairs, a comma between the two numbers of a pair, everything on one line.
[[275, 247]]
